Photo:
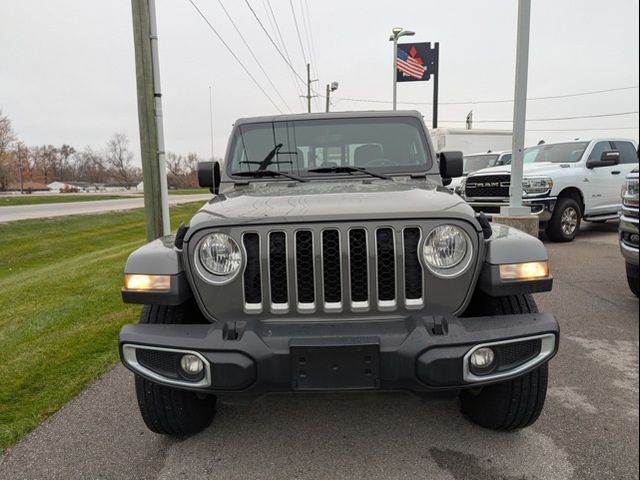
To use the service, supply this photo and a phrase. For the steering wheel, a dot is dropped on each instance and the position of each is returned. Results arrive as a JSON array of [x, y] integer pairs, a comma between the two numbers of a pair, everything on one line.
[[381, 162]]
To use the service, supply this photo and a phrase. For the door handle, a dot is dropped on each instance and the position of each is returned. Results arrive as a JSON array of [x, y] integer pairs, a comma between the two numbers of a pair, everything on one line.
[[615, 172]]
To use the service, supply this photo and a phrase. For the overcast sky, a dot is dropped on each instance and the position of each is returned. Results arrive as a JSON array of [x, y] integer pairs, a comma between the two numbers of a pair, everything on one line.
[[67, 67]]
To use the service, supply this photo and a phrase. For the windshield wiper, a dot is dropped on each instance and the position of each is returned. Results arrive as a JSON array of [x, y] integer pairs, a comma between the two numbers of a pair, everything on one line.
[[267, 173], [268, 160], [348, 169]]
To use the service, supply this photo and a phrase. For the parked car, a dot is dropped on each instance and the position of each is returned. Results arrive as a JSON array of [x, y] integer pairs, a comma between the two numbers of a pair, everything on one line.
[[478, 161], [629, 237], [564, 183], [331, 258]]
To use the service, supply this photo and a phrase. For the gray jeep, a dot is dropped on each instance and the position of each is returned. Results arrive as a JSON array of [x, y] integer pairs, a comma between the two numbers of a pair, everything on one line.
[[331, 258]]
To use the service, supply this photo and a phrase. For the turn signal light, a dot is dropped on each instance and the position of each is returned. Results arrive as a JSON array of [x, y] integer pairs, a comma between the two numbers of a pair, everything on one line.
[[146, 283], [524, 271]]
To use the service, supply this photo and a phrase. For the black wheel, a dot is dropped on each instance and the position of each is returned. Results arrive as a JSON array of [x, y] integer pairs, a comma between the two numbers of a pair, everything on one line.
[[167, 410], [565, 221], [632, 278], [513, 404]]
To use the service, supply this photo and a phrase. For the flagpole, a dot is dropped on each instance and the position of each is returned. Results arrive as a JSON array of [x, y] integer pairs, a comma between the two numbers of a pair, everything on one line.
[[396, 33]]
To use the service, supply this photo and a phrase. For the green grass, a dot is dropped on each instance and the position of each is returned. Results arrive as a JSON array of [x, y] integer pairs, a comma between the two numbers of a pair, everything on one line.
[[60, 309], [189, 191], [15, 200]]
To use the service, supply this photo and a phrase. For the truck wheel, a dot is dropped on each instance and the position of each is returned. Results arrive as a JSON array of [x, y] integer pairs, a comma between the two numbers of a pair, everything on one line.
[[632, 278], [513, 404], [167, 410], [565, 221]]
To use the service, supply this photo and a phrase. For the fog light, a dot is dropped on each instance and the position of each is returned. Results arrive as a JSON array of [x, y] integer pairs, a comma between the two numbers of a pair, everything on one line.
[[482, 358], [191, 364]]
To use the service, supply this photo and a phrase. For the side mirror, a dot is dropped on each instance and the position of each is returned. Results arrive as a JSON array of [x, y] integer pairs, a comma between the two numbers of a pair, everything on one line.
[[608, 158], [451, 164], [209, 176]]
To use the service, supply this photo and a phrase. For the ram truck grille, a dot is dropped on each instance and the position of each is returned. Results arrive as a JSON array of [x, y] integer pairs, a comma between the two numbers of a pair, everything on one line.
[[488, 186], [333, 270]]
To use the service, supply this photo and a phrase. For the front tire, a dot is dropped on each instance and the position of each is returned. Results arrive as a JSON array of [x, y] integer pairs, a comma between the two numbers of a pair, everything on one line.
[[565, 221], [513, 404], [632, 278], [166, 410]]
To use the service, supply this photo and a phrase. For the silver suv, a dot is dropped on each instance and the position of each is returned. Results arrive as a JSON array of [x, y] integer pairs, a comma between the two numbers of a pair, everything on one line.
[[330, 257], [629, 229]]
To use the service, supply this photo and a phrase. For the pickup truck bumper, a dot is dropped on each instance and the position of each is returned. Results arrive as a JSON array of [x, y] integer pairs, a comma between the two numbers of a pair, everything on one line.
[[417, 353], [629, 235], [543, 207]]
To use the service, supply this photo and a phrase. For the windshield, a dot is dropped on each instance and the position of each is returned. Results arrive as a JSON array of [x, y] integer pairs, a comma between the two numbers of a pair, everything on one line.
[[383, 145], [473, 163], [555, 153]]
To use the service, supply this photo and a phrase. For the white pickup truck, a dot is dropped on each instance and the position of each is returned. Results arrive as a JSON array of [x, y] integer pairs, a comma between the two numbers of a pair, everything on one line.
[[563, 183]]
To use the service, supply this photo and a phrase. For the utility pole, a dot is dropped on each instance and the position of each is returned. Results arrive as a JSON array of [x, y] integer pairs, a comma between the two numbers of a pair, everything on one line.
[[20, 170], [519, 111], [327, 98], [211, 120], [396, 33], [331, 87], [309, 87], [150, 118]]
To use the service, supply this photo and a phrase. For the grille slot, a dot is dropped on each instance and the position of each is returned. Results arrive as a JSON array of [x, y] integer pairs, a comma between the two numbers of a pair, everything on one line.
[[278, 268], [332, 280], [335, 269], [304, 267], [488, 186], [386, 264], [252, 277], [358, 265], [412, 267]]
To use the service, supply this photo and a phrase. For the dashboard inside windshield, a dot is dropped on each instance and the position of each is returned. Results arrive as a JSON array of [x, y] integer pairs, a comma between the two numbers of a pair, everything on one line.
[[385, 145]]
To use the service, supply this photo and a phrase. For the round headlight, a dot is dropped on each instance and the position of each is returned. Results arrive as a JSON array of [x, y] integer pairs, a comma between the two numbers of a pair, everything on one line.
[[219, 254], [447, 251]]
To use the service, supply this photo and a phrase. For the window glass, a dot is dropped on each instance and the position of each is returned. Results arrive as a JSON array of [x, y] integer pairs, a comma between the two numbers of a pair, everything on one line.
[[555, 153], [628, 153], [598, 149], [385, 145], [473, 163]]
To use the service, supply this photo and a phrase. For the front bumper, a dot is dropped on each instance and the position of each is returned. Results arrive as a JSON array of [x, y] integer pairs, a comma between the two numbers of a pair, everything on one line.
[[543, 206], [417, 353], [629, 226]]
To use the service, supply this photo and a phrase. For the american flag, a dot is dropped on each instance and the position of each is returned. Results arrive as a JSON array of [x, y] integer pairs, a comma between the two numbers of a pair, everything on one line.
[[409, 66]]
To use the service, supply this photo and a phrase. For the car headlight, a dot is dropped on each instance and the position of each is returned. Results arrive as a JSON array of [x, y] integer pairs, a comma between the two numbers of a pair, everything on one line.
[[447, 251], [537, 185], [460, 187], [630, 193], [220, 255]]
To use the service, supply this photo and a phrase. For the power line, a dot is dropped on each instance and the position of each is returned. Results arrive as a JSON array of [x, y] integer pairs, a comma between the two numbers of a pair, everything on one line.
[[275, 27], [254, 56], [234, 55], [288, 62], [273, 42], [550, 119], [477, 102], [295, 21], [306, 26], [579, 129]]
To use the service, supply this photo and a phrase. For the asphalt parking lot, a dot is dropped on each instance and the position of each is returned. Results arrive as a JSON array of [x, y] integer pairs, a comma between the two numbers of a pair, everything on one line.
[[589, 428]]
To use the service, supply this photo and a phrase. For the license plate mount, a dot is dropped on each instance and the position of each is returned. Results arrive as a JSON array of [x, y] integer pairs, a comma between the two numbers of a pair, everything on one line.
[[339, 367]]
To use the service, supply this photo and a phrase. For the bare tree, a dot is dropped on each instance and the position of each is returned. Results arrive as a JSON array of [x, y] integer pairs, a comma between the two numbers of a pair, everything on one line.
[[7, 137], [118, 160], [182, 170]]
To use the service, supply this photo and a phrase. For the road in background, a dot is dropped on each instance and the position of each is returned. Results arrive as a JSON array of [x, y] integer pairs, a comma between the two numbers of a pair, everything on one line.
[[588, 429], [24, 212]]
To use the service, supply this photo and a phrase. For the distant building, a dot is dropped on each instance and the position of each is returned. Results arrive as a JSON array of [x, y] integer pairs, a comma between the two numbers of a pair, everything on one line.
[[62, 187]]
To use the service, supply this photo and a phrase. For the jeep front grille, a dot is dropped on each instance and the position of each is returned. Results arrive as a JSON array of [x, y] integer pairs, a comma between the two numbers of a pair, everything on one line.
[[488, 186], [333, 269]]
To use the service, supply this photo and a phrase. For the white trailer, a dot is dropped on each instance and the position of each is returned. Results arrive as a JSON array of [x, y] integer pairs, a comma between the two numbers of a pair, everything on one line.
[[470, 141]]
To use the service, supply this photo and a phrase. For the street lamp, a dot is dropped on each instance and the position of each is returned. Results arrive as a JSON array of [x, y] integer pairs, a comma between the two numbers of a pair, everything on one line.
[[396, 33], [331, 87]]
